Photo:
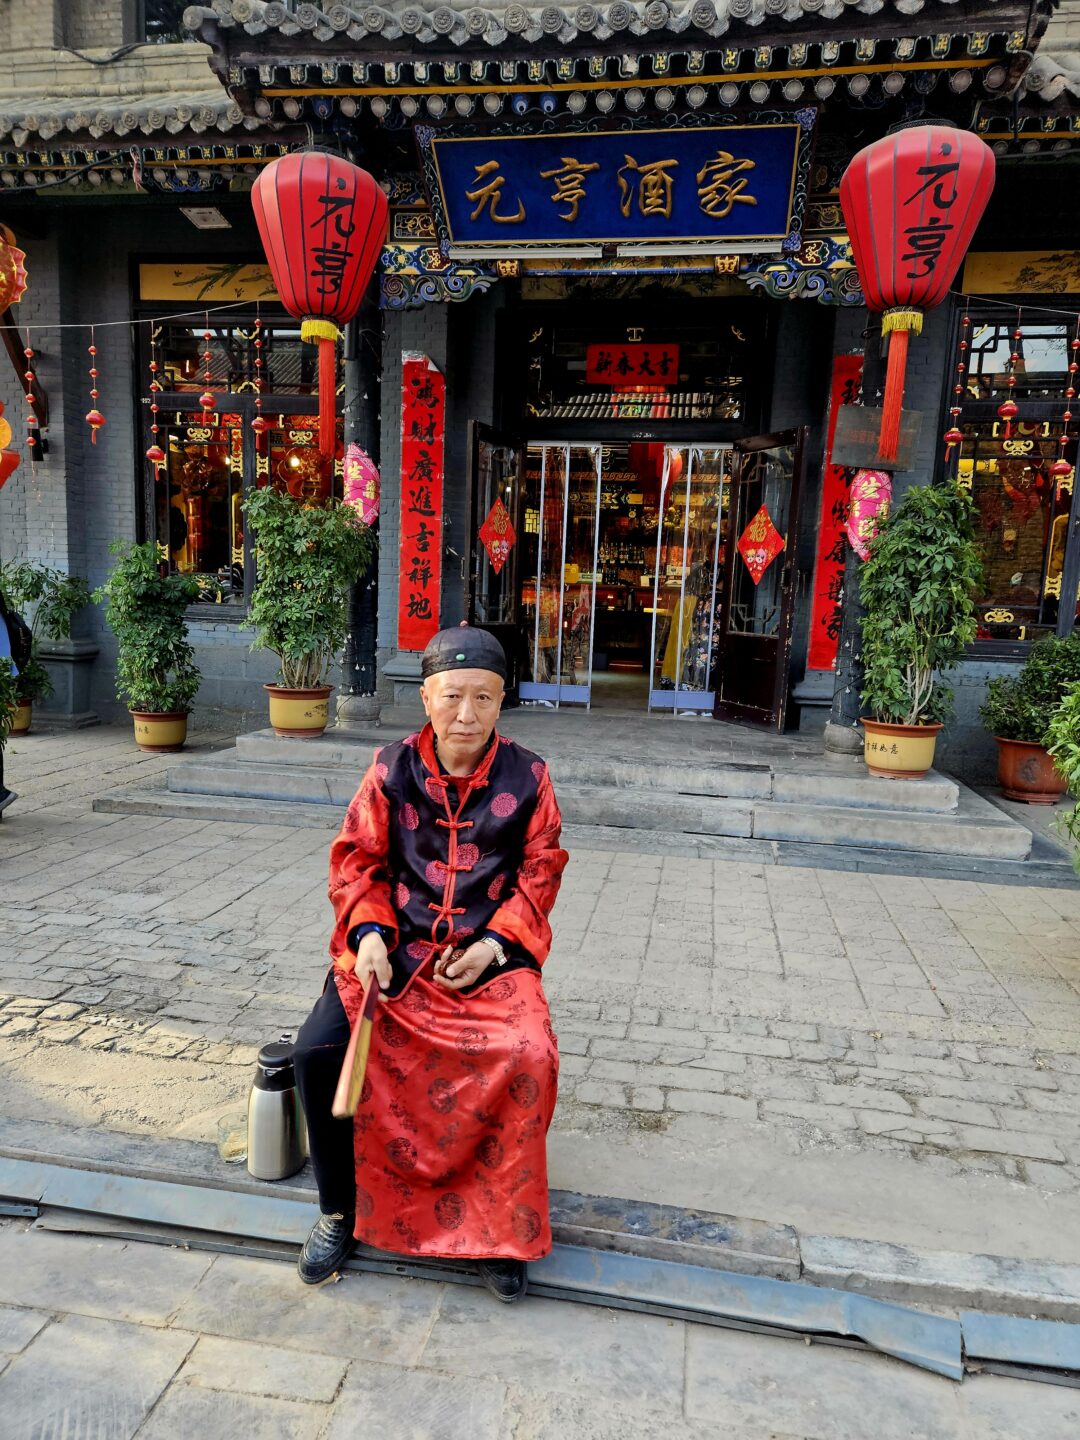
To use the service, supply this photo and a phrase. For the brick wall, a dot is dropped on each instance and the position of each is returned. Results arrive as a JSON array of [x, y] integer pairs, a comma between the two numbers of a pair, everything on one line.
[[1063, 32]]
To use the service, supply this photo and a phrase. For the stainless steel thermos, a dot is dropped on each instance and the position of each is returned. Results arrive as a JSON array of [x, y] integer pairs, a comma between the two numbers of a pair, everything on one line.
[[277, 1134]]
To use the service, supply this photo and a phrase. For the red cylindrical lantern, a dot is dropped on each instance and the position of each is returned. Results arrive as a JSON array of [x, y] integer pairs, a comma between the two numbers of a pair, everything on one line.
[[322, 222], [912, 202]]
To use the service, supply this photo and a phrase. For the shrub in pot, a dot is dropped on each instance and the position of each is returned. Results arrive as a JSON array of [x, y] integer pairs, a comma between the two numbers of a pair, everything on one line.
[[1063, 743], [306, 557], [917, 587], [156, 675], [1018, 710], [56, 598]]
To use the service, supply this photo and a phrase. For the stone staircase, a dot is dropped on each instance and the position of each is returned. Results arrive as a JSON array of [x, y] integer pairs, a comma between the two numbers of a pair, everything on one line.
[[780, 800]]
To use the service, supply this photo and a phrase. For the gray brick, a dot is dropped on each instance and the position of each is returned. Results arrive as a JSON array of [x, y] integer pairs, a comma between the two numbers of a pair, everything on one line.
[[900, 1127], [964, 1111], [1009, 1142], [857, 1097], [831, 1117], [695, 1103], [751, 1045], [646, 1097], [592, 1092]]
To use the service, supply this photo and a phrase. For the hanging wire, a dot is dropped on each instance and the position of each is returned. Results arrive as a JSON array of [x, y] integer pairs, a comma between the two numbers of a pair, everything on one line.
[[131, 324]]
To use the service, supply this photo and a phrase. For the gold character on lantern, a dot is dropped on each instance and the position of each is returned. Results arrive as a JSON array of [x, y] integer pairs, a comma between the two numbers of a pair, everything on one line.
[[653, 184], [569, 180], [489, 196]]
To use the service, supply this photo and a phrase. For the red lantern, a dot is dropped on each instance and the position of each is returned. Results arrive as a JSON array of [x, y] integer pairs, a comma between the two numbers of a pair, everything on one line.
[[322, 222], [12, 270], [912, 201]]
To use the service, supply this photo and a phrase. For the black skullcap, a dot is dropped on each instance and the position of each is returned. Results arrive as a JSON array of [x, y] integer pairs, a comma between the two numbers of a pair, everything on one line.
[[463, 648]]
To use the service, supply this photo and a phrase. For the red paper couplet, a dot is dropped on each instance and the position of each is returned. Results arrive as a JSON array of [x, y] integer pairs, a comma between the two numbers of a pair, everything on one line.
[[423, 425], [829, 561]]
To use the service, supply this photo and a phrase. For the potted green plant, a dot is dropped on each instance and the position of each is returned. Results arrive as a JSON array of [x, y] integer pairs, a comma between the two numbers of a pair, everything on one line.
[[1018, 710], [917, 587], [1063, 743], [306, 556], [156, 675], [9, 698], [56, 598]]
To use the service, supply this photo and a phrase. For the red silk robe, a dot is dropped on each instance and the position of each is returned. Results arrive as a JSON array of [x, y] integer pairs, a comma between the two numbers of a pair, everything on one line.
[[450, 1134]]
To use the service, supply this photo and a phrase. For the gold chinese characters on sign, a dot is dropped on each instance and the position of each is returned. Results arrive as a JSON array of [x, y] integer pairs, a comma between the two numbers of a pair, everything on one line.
[[646, 188]]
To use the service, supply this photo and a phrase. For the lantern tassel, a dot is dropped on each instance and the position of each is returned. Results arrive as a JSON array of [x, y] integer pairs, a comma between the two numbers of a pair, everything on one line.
[[893, 404], [326, 334]]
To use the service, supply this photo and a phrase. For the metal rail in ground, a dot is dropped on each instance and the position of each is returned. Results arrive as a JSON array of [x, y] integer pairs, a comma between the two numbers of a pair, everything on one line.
[[134, 1207]]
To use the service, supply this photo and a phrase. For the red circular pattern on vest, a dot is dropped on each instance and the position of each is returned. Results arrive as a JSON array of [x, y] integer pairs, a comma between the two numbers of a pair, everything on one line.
[[433, 788], [441, 1096], [402, 1153], [472, 1041], [504, 805], [497, 886], [462, 933], [450, 1211], [401, 895], [410, 817], [525, 1223], [538, 767], [435, 874], [490, 1152], [524, 1090], [365, 1202], [382, 771], [418, 950], [468, 854], [412, 741]]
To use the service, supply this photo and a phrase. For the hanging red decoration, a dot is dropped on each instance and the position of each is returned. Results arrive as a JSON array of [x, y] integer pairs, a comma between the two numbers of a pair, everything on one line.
[[94, 418], [954, 435], [871, 496], [497, 535], [33, 426], [155, 454], [322, 222], [1061, 467], [1008, 409], [912, 201], [208, 400], [12, 270], [361, 483], [759, 544], [260, 424]]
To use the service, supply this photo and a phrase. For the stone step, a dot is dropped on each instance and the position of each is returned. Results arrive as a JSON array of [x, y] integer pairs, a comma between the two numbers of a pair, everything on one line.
[[147, 800], [232, 789], [837, 781]]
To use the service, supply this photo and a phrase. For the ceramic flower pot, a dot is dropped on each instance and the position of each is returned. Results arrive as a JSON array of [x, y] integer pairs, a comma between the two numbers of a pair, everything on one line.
[[899, 752], [1026, 772], [21, 724], [159, 733], [299, 714]]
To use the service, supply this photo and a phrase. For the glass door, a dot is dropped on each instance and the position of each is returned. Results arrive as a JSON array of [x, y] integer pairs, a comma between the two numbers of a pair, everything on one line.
[[688, 576], [559, 509], [493, 560], [759, 600]]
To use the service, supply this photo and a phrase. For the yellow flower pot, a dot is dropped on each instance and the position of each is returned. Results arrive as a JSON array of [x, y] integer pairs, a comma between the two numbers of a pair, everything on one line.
[[159, 733], [300, 714], [21, 724], [899, 752]]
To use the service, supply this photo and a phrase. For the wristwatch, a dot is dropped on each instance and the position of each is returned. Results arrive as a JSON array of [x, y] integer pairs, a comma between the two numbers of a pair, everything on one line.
[[501, 956]]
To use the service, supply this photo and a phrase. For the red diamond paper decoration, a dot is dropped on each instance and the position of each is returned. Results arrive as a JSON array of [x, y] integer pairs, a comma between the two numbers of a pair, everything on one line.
[[759, 544], [498, 536]]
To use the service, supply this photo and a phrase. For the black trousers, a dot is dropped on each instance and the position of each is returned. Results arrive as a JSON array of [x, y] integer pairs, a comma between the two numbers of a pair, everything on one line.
[[317, 1056]]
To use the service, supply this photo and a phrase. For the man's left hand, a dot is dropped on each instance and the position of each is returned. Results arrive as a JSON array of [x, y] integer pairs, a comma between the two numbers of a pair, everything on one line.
[[455, 970]]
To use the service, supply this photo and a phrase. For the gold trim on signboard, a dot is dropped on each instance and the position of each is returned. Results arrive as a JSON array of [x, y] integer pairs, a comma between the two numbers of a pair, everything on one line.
[[1022, 272]]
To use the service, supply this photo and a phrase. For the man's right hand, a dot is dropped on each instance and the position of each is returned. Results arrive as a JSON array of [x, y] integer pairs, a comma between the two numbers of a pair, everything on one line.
[[371, 959]]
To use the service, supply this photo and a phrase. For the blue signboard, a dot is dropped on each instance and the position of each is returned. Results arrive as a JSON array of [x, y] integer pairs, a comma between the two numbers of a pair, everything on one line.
[[706, 185]]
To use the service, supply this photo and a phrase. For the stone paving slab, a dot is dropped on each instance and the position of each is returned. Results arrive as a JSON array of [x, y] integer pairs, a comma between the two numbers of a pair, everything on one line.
[[598, 1375], [874, 1019]]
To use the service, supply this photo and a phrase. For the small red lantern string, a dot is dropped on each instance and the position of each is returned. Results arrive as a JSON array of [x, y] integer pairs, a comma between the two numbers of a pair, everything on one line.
[[155, 454], [94, 418], [260, 424], [1061, 466], [33, 428], [1008, 409], [954, 435], [208, 400]]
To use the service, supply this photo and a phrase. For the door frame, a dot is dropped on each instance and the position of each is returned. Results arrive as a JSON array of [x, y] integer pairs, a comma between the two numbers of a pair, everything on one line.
[[510, 633], [734, 710]]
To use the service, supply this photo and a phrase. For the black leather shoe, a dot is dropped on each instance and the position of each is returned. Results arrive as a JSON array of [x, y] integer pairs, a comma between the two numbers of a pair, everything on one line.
[[327, 1248], [507, 1280]]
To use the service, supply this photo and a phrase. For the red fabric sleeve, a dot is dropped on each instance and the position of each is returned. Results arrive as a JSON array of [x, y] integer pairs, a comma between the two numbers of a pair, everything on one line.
[[359, 877], [523, 915]]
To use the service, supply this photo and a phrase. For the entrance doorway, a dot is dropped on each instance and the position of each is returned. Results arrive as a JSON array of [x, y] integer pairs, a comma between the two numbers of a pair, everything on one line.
[[614, 591]]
